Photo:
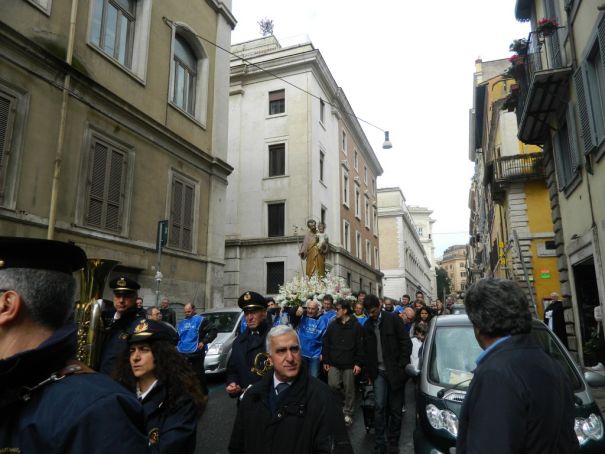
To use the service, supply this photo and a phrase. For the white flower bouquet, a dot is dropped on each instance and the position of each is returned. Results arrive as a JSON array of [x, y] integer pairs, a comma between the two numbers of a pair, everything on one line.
[[302, 288]]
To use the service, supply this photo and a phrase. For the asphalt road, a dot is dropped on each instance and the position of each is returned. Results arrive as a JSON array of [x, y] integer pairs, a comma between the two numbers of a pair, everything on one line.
[[214, 428]]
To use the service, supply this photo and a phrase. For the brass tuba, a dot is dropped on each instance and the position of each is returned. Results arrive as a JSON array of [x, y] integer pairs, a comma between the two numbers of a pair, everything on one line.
[[87, 313]]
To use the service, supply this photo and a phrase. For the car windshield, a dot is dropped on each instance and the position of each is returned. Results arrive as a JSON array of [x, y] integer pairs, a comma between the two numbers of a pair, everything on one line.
[[455, 350], [224, 322]]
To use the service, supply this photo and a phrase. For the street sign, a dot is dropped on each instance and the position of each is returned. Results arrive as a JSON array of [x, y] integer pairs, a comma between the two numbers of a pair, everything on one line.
[[162, 235]]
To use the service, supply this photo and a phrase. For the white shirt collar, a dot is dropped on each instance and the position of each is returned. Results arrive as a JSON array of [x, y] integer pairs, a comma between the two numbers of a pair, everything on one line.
[[140, 395]]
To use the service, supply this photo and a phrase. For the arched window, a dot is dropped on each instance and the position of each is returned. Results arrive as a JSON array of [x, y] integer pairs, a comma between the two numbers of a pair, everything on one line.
[[185, 75]]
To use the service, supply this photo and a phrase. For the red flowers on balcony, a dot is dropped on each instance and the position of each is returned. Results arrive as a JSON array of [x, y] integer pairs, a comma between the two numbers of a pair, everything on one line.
[[547, 26]]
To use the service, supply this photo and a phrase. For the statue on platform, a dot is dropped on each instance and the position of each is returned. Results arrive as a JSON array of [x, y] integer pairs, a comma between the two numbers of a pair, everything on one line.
[[314, 249]]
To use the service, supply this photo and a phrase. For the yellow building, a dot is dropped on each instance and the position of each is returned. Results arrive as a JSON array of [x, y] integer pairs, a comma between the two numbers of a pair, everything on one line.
[[512, 234]]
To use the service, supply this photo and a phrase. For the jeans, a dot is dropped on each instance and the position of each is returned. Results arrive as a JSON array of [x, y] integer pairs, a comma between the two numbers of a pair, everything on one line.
[[344, 377], [312, 365], [389, 402]]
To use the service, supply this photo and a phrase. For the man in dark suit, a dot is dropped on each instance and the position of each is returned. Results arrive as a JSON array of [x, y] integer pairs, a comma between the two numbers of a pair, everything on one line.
[[554, 318], [519, 399], [241, 368], [387, 352]]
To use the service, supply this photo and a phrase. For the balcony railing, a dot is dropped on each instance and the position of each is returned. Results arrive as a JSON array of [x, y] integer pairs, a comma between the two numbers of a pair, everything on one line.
[[543, 84], [524, 167]]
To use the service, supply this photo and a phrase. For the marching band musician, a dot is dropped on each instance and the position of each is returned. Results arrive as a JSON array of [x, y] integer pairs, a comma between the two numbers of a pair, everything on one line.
[[50, 403], [164, 383], [241, 369], [121, 317]]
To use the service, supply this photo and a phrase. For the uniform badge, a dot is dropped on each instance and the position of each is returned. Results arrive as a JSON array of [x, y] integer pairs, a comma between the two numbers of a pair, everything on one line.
[[154, 436], [121, 282], [247, 296], [123, 335], [141, 327]]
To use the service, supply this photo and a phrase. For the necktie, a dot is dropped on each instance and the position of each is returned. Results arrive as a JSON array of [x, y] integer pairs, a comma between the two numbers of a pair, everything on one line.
[[281, 387]]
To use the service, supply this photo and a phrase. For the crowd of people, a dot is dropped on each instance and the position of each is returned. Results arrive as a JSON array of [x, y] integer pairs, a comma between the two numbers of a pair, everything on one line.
[[293, 372]]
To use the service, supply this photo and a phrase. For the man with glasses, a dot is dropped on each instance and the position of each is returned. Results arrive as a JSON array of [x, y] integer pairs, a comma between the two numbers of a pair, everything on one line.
[[288, 410], [49, 402]]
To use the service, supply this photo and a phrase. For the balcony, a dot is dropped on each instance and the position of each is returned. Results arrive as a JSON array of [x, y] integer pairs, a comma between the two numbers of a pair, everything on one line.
[[519, 168], [543, 87]]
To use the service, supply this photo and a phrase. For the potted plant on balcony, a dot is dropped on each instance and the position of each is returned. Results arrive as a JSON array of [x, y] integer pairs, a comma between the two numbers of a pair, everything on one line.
[[519, 46], [547, 26], [517, 60]]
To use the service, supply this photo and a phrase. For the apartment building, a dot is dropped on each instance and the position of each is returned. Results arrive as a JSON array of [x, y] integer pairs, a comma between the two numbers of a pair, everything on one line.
[[299, 154], [112, 121]]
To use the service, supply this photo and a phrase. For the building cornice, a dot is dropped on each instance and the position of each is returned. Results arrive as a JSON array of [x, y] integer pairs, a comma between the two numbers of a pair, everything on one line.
[[220, 8]]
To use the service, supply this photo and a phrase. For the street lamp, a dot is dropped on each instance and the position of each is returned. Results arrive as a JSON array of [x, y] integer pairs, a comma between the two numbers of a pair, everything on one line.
[[387, 143]]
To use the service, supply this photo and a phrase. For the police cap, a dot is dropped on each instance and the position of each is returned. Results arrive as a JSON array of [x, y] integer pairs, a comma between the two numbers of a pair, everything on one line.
[[145, 330], [123, 284], [36, 253], [252, 301]]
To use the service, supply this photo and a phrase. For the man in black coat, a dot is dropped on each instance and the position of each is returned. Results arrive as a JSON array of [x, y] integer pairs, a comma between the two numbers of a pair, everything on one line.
[[288, 411], [241, 368], [50, 403], [120, 319], [519, 400], [387, 352], [343, 355], [555, 319]]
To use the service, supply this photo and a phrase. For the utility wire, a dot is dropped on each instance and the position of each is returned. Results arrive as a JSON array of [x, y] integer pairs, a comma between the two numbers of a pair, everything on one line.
[[245, 60]]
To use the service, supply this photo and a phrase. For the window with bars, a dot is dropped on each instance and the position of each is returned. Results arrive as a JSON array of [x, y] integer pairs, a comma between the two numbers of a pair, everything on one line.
[[184, 69], [106, 186], [277, 160], [277, 102], [275, 276], [276, 218], [112, 29], [182, 206]]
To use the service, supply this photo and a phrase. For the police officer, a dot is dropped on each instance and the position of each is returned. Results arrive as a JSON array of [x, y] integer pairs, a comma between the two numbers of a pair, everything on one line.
[[120, 318], [248, 345], [50, 402]]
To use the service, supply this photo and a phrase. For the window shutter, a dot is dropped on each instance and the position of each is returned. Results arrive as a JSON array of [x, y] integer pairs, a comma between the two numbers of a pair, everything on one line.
[[176, 213], [97, 185], [584, 110], [7, 108], [573, 149], [601, 35], [114, 190], [187, 217], [277, 95]]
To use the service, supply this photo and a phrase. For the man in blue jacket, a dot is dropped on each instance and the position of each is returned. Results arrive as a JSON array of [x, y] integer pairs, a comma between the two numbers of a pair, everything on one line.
[[520, 400], [195, 332], [311, 329], [50, 403]]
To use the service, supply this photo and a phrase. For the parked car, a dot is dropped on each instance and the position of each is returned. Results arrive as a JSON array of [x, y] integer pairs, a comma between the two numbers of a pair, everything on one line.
[[446, 371], [457, 309], [226, 321]]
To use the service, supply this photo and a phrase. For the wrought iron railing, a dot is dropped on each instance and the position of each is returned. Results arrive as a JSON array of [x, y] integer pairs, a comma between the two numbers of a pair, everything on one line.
[[521, 167]]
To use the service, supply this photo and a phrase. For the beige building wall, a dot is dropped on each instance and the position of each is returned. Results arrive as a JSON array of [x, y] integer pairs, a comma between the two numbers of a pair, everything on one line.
[[128, 109]]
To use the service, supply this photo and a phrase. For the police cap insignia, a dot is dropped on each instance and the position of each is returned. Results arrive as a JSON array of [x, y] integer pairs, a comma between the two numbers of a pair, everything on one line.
[[247, 296], [124, 284], [141, 327]]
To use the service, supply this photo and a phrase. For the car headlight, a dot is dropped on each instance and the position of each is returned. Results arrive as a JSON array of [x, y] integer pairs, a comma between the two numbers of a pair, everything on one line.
[[215, 348], [442, 419], [590, 428]]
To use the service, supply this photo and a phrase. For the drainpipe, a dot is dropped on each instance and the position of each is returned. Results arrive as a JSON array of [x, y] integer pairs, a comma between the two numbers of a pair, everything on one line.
[[52, 215]]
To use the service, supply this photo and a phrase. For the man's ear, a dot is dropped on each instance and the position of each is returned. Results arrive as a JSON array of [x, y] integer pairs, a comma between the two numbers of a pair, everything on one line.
[[10, 306]]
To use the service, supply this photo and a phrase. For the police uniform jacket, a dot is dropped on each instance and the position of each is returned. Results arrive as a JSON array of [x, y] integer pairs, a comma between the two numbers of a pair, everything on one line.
[[307, 419], [81, 413], [115, 340], [519, 401], [170, 430], [396, 348], [245, 348]]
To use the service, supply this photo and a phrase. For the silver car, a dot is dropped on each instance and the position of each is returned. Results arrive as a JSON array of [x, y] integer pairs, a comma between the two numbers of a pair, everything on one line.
[[227, 322]]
